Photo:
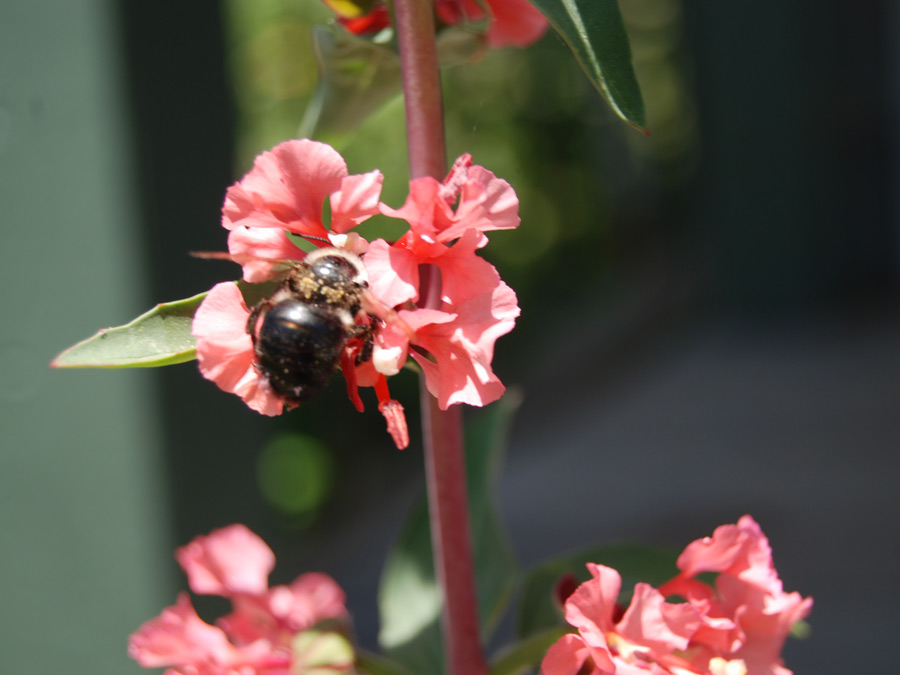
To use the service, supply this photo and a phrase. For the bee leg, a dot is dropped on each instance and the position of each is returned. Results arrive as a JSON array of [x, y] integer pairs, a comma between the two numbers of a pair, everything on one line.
[[363, 333], [259, 309]]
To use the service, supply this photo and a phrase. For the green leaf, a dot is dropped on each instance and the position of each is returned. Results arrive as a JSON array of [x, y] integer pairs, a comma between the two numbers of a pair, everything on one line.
[[356, 77], [321, 652], [161, 337], [375, 664], [595, 33], [538, 609], [526, 655], [410, 599]]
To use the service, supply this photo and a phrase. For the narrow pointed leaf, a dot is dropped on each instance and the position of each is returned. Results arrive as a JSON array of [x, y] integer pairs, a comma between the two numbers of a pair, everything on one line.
[[410, 600], [161, 337], [595, 33]]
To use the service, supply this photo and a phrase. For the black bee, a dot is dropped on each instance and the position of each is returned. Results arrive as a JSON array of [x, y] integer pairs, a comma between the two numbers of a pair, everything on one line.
[[300, 332]]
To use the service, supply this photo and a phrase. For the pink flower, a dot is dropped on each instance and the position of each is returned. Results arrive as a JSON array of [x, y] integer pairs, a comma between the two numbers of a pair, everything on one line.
[[737, 627], [642, 640], [257, 637], [510, 23], [454, 334], [448, 318], [746, 615], [186, 645]]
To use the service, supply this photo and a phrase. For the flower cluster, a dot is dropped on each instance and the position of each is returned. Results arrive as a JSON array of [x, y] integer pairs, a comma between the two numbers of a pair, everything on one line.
[[735, 627], [434, 297], [513, 23], [271, 631]]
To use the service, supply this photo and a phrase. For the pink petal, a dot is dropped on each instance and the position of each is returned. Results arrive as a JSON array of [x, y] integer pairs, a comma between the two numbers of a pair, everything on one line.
[[356, 200], [459, 372], [393, 273], [252, 247], [454, 376], [590, 609], [743, 557], [284, 611], [228, 561], [462, 350], [726, 549], [567, 656], [225, 350], [515, 23], [425, 209], [178, 637], [652, 622], [311, 598], [286, 188], [486, 203]]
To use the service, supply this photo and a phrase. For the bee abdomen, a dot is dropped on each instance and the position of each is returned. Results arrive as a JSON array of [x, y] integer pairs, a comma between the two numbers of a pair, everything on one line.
[[298, 346]]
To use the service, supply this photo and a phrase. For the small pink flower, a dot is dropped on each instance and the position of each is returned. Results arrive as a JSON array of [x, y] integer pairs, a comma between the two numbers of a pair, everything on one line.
[[284, 193], [181, 641], [736, 627], [228, 562], [642, 640], [447, 319], [746, 615], [454, 338], [256, 638], [510, 23]]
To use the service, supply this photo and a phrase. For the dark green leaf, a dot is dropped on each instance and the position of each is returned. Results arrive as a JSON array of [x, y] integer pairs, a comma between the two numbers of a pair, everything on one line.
[[410, 599], [595, 33], [538, 609], [375, 664], [526, 655], [161, 337]]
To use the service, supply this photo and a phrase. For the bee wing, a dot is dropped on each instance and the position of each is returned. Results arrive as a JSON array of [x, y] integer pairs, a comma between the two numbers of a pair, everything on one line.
[[242, 258]]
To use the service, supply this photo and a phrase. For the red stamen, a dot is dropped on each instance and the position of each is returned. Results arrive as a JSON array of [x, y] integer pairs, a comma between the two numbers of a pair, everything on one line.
[[348, 367], [393, 414]]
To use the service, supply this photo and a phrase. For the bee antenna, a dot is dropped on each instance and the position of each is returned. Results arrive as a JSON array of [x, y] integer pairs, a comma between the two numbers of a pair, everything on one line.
[[312, 237]]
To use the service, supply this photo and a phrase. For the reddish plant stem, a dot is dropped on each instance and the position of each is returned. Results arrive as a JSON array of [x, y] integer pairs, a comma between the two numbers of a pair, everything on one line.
[[450, 536], [424, 105], [444, 456]]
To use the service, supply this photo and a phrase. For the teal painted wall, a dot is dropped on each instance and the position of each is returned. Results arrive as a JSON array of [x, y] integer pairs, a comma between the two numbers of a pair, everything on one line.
[[83, 546]]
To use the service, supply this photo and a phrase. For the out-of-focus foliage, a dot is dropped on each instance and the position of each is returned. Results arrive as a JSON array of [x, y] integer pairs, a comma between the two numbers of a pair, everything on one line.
[[528, 115]]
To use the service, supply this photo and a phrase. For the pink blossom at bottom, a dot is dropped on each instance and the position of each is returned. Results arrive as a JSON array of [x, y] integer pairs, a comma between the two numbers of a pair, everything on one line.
[[746, 613], [256, 638], [647, 635], [737, 626]]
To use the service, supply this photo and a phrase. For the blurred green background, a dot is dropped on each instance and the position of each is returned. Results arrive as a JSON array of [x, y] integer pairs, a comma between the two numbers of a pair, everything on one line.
[[674, 288]]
